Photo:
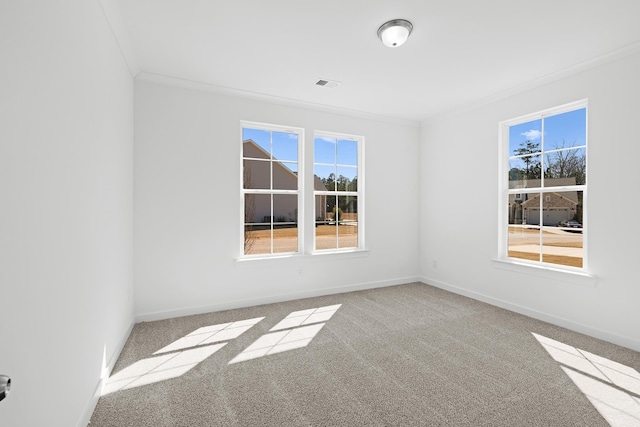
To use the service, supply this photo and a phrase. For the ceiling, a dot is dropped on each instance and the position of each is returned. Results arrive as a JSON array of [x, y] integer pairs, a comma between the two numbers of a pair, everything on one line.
[[460, 51]]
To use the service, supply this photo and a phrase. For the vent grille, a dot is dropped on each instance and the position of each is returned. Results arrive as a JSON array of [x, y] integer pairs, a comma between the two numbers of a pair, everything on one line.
[[327, 83]]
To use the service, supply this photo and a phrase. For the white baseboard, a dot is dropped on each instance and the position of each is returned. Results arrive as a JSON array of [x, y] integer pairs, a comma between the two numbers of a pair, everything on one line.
[[93, 401], [230, 305], [546, 317]]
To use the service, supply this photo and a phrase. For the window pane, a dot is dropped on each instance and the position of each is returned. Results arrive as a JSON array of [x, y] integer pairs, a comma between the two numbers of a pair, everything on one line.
[[347, 152], [326, 175], [332, 207], [531, 209], [562, 243], [326, 237], [515, 208], [347, 178], [524, 243], [257, 143], [525, 172], [285, 208], [321, 203], [257, 240], [285, 239], [285, 227], [562, 246], [566, 167], [347, 220], [285, 176], [525, 138], [257, 209], [256, 174], [285, 146], [324, 150], [559, 207], [565, 130], [348, 206], [257, 228], [326, 229]]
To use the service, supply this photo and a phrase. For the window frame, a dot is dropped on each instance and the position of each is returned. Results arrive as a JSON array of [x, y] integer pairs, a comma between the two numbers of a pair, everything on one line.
[[299, 192], [505, 192], [359, 193]]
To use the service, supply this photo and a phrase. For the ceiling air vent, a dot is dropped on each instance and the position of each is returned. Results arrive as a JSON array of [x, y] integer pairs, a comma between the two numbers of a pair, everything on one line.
[[327, 83]]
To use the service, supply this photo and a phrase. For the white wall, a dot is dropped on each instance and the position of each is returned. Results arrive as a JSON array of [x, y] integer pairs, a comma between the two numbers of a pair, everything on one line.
[[459, 189], [66, 195], [187, 204]]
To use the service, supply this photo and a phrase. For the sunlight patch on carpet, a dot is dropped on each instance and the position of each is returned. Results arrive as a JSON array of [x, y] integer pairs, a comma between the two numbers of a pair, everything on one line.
[[611, 387], [277, 342], [306, 317], [160, 368], [295, 331], [179, 357], [211, 334]]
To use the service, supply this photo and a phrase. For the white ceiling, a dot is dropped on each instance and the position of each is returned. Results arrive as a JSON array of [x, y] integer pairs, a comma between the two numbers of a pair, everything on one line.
[[460, 51]]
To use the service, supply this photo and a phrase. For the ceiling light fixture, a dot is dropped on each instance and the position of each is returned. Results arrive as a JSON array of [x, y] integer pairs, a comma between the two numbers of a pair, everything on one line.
[[395, 32]]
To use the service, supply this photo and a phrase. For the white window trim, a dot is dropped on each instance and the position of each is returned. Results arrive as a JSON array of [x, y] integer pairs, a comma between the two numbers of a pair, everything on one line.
[[546, 272], [299, 192], [360, 194], [306, 205], [504, 192]]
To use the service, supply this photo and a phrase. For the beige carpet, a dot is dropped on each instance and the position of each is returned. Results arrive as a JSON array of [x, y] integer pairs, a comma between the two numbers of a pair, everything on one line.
[[409, 355]]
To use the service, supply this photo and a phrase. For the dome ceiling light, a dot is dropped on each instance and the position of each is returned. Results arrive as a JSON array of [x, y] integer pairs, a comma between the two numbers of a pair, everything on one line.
[[395, 32]]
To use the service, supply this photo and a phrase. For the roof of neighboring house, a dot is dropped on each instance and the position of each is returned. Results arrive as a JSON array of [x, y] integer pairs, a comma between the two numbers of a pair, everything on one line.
[[571, 196], [533, 183], [260, 153]]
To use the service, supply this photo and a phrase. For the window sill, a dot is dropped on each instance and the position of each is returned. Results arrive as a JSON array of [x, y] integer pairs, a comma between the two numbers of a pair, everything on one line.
[[345, 254], [342, 253], [573, 277]]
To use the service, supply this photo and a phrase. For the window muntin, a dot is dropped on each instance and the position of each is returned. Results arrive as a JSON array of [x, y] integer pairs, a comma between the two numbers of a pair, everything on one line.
[[337, 194], [271, 182], [545, 191]]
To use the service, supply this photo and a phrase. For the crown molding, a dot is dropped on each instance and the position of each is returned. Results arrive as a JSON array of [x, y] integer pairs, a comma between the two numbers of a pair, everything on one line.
[[239, 93], [594, 62], [111, 11]]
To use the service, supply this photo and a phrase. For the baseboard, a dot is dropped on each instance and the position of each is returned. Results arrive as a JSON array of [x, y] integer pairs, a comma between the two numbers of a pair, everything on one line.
[[93, 401], [546, 317], [230, 305]]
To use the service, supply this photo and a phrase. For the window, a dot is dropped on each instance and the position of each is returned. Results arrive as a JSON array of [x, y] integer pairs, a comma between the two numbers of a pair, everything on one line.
[[271, 183], [544, 187], [273, 192], [338, 195]]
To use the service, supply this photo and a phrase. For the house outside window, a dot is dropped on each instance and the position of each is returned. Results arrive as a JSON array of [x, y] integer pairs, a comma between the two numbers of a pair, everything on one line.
[[543, 194], [271, 183], [338, 191]]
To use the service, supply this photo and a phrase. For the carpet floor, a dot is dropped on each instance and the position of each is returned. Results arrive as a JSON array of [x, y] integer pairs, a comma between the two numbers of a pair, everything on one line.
[[407, 355]]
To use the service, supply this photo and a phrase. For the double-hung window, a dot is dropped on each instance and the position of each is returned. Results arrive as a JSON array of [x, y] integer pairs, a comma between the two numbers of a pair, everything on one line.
[[338, 193], [273, 192], [544, 187], [271, 188]]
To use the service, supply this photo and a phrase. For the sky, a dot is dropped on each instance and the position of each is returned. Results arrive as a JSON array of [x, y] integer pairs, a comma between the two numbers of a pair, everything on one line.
[[570, 127]]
